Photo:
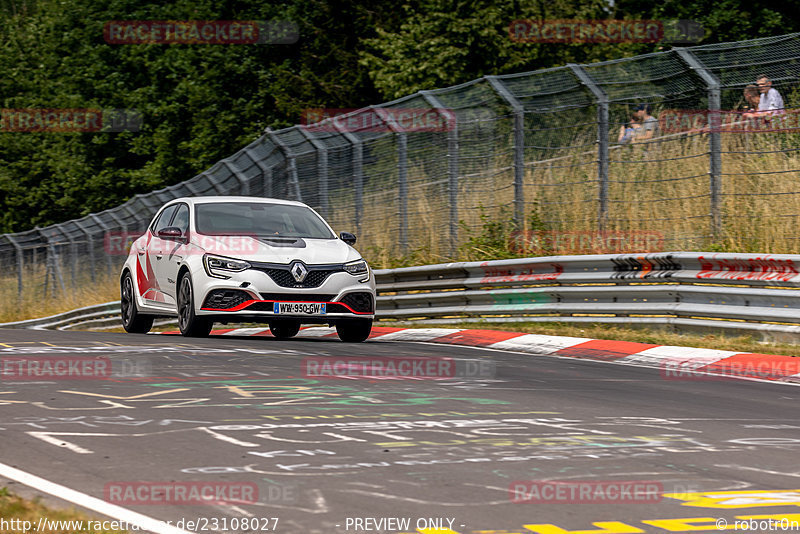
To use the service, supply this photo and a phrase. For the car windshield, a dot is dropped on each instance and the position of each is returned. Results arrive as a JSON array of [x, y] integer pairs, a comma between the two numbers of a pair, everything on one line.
[[259, 219]]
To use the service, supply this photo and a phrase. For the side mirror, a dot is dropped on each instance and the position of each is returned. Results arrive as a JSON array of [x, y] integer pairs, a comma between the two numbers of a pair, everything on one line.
[[171, 232], [348, 238]]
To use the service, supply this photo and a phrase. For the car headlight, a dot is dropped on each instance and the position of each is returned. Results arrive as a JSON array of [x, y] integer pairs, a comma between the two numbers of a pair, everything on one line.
[[358, 268], [221, 267]]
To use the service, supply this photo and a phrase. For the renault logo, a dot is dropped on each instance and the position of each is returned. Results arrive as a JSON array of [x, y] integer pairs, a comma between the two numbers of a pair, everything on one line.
[[299, 271]]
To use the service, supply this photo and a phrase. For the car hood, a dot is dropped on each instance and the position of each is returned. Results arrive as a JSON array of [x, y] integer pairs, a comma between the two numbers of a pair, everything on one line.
[[277, 250]]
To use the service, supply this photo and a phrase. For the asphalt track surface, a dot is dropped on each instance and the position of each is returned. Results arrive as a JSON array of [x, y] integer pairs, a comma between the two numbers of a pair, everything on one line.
[[325, 453]]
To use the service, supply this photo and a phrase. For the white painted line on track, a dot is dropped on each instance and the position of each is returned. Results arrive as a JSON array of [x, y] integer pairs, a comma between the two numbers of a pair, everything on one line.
[[90, 503]]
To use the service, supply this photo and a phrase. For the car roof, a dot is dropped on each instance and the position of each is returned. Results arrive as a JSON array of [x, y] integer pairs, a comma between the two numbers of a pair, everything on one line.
[[226, 198]]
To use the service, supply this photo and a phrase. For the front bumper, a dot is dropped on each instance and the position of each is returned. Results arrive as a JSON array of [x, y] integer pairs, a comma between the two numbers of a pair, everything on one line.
[[254, 293]]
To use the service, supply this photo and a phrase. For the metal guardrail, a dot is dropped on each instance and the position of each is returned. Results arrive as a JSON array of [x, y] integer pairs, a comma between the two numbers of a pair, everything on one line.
[[750, 293], [739, 293]]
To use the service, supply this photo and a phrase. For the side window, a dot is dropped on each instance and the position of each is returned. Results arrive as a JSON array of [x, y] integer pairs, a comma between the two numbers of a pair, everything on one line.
[[181, 219], [164, 219]]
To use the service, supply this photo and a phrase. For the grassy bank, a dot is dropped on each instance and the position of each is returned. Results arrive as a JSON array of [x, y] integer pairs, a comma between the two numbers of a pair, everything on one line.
[[16, 511]]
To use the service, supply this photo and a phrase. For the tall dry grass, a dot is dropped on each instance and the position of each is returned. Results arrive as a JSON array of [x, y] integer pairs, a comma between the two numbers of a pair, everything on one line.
[[661, 188]]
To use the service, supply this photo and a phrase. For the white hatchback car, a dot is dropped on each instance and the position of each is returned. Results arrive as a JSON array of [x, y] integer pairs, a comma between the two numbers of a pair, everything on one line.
[[246, 259]]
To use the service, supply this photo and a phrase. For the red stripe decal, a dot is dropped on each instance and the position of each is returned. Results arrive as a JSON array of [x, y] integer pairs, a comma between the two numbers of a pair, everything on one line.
[[477, 338], [602, 349]]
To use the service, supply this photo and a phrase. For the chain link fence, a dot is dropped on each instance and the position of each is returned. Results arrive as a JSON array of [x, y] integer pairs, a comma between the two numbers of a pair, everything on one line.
[[535, 152]]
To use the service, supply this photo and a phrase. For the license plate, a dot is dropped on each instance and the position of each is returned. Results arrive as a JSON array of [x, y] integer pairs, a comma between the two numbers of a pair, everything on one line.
[[299, 308]]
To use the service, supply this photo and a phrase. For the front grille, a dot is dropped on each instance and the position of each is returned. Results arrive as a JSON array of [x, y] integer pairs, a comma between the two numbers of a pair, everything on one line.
[[360, 302], [298, 297], [315, 277], [223, 299]]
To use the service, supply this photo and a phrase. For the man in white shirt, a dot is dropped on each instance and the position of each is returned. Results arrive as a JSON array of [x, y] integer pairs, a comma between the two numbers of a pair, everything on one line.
[[771, 99]]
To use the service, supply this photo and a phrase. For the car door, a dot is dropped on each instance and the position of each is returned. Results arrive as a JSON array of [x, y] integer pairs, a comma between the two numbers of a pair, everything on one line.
[[154, 256], [173, 251]]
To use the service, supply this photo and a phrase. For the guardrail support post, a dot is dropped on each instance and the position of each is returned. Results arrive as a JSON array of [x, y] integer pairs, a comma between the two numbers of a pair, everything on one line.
[[519, 147], [714, 139], [451, 120], [602, 143]]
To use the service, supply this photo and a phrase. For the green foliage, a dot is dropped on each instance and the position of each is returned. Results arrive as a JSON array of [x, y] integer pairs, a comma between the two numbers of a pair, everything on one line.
[[493, 240], [202, 103], [446, 42]]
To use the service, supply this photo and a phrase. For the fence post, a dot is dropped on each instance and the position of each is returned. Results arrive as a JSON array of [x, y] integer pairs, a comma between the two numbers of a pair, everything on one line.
[[51, 263], [322, 170], [90, 245], [104, 226], [358, 171], [519, 147], [602, 143], [244, 183], [451, 119], [20, 264], [402, 174], [714, 138], [292, 163]]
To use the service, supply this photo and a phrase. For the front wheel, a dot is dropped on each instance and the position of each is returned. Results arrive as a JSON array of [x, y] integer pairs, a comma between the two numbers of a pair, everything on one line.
[[132, 321], [354, 330], [190, 324], [284, 329]]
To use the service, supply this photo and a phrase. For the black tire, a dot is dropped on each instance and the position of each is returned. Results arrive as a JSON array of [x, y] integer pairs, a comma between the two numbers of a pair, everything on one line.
[[190, 324], [284, 328], [354, 330], [132, 321]]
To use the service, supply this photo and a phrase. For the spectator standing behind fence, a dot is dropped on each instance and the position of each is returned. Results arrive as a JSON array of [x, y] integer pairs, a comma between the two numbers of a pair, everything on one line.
[[771, 99], [648, 122], [629, 131]]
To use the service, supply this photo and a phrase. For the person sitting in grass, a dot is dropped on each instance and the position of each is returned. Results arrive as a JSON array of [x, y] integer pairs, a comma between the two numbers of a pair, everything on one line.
[[628, 132], [648, 123]]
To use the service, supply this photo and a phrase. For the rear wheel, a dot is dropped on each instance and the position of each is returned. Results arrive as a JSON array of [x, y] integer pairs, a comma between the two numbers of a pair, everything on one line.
[[190, 324], [284, 329], [354, 330], [132, 321]]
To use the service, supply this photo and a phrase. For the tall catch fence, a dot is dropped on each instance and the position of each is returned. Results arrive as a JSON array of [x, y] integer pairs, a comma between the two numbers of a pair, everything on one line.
[[535, 152]]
